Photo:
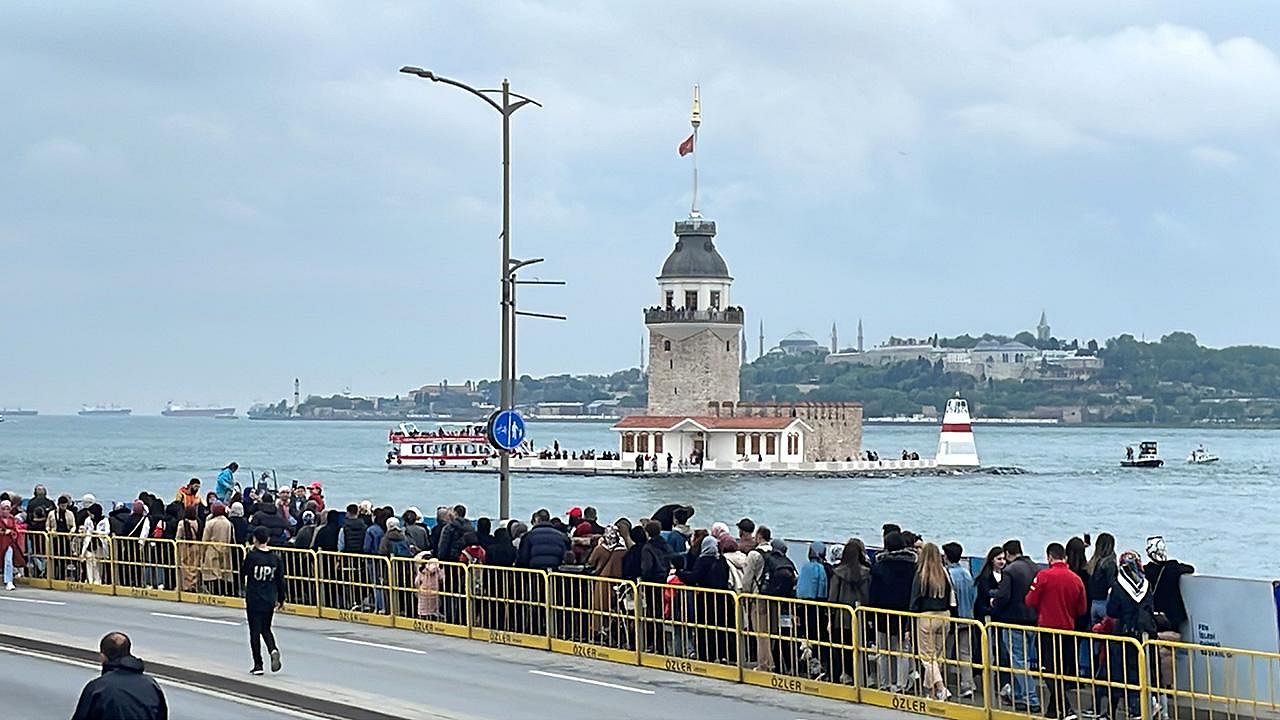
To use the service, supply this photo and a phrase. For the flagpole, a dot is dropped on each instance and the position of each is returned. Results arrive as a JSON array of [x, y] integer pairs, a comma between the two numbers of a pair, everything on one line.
[[695, 119]]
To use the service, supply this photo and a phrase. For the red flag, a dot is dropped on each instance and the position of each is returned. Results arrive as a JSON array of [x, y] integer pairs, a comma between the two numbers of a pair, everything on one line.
[[686, 147]]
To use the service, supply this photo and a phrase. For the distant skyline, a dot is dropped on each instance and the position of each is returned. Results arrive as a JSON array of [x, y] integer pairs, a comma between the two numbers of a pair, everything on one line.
[[202, 202]]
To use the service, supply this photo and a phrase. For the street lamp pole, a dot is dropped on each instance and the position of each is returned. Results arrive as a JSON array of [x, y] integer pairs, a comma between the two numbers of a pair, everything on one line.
[[506, 109]]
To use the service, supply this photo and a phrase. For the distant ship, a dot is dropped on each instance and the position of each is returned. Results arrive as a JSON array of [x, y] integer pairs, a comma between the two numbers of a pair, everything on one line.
[[172, 410], [18, 412], [99, 411]]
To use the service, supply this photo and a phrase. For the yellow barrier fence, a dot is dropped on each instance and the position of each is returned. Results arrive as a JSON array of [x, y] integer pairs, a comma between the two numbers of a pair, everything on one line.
[[301, 581], [689, 630], [1193, 682], [81, 562], [145, 567], [354, 588], [429, 596], [208, 573], [593, 617], [38, 572], [1044, 672], [801, 646], [508, 605], [927, 663]]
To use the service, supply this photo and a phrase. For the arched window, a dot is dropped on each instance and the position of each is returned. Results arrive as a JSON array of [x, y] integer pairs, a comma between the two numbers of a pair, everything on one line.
[[657, 443], [628, 442], [741, 446], [770, 444], [642, 443], [755, 443], [666, 345]]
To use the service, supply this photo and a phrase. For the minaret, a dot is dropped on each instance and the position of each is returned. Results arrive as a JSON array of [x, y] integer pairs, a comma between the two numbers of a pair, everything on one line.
[[835, 344], [643, 341], [859, 334], [695, 331], [744, 348], [761, 339], [1042, 330]]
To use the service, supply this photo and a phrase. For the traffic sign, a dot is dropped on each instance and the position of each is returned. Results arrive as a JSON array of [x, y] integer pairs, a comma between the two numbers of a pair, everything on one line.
[[506, 430]]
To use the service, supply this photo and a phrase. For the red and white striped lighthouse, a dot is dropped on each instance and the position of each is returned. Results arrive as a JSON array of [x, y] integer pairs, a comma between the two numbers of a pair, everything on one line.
[[956, 447]]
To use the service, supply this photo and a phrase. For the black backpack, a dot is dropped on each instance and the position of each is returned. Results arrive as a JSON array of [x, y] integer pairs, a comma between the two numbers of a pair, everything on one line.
[[778, 577]]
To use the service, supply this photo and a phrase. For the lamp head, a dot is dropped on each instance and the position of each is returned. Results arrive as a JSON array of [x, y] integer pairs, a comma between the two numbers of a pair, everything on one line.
[[411, 70]]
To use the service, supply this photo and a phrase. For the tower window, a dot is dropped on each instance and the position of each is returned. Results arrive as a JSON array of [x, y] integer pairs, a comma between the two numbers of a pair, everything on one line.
[[715, 300], [666, 345], [690, 299], [671, 364], [726, 346], [671, 299]]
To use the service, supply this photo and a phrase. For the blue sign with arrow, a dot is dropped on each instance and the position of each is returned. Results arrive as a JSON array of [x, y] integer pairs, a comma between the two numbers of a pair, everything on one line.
[[506, 430]]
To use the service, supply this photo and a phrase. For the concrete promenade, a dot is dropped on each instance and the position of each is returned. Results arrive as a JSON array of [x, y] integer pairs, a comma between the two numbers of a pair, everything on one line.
[[397, 672]]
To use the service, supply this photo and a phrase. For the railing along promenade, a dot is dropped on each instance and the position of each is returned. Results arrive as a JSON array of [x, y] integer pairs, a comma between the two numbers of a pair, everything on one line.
[[929, 664]]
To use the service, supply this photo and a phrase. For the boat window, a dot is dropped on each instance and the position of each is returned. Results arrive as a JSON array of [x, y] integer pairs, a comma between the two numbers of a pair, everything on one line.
[[416, 450]]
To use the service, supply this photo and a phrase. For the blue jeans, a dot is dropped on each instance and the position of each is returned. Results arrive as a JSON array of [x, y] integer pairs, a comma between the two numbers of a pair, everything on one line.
[[8, 566], [1022, 652]]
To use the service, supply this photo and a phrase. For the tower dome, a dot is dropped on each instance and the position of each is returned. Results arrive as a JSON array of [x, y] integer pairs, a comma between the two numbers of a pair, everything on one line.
[[695, 254]]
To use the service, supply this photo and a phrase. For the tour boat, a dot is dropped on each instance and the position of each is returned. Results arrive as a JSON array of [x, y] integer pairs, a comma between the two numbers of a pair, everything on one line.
[[454, 445], [1200, 456], [1147, 456]]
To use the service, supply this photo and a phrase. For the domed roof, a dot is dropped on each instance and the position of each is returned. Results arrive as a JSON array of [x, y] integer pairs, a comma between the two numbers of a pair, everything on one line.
[[798, 338], [695, 254]]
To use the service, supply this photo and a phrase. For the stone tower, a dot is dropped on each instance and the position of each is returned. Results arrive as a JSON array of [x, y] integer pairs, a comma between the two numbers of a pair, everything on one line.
[[694, 331], [1042, 330]]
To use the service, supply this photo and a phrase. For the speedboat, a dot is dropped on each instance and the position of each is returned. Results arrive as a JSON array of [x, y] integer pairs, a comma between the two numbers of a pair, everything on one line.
[[1147, 456], [1200, 456]]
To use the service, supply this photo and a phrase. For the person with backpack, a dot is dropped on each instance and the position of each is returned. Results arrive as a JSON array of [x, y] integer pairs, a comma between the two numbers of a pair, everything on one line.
[[768, 572], [262, 575]]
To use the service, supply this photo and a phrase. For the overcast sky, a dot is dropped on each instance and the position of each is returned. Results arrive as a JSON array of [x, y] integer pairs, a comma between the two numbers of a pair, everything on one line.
[[201, 201]]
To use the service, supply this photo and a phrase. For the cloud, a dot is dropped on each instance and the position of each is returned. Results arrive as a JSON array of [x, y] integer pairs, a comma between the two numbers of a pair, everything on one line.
[[1024, 125], [1211, 155], [57, 154]]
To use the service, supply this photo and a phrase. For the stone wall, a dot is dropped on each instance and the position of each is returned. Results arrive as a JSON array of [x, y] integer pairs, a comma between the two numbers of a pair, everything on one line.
[[837, 427], [700, 368]]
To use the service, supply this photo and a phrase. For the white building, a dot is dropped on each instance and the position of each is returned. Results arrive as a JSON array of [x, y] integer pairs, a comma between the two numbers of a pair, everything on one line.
[[778, 439]]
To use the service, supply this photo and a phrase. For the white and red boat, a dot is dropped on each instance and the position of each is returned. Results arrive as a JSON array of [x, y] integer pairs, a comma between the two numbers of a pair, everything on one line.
[[455, 445]]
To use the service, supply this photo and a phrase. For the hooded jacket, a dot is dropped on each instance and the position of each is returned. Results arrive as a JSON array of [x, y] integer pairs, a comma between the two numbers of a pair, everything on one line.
[[418, 537], [542, 548], [122, 692], [388, 541], [891, 578], [269, 518]]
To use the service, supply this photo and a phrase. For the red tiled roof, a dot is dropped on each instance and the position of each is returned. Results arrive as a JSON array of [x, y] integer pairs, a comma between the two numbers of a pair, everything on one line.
[[665, 422]]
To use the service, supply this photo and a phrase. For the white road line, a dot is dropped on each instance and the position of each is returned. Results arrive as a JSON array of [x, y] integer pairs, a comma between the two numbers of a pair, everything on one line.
[[281, 709], [415, 651], [192, 618], [589, 681], [31, 600]]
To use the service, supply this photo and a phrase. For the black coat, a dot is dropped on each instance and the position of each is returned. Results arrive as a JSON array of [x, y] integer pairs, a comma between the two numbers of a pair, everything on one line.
[[123, 692], [631, 562], [655, 560], [269, 518], [1166, 589], [708, 571], [891, 577], [352, 540], [542, 548], [239, 530], [1010, 602]]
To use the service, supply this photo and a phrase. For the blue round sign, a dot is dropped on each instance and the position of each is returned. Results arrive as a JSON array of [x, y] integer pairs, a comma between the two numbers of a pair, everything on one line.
[[506, 430]]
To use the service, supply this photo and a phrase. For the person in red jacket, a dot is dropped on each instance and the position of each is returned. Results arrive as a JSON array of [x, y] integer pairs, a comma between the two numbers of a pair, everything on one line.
[[1058, 597]]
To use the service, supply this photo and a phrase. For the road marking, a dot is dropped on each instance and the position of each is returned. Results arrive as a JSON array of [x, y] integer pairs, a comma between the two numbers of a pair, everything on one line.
[[192, 618], [589, 681], [281, 709], [31, 600], [415, 651]]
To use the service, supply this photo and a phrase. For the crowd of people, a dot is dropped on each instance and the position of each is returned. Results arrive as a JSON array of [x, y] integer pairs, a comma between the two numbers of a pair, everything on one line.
[[1085, 587]]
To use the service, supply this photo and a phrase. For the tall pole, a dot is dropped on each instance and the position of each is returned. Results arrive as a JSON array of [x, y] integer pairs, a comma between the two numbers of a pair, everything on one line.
[[504, 457], [695, 119]]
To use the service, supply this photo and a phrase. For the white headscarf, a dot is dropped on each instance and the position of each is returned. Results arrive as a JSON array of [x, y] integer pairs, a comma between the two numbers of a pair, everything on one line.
[[1130, 575], [1156, 549]]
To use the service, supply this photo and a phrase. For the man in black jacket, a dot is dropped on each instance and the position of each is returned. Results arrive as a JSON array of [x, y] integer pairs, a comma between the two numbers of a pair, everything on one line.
[[1010, 606], [353, 531], [123, 691], [268, 516], [890, 589], [543, 547], [262, 575]]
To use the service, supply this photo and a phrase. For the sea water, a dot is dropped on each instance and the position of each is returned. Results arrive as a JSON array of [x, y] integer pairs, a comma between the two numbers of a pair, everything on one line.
[[1218, 517]]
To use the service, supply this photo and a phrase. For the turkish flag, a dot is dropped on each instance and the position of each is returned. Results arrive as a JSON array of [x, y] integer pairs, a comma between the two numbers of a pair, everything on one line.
[[686, 147]]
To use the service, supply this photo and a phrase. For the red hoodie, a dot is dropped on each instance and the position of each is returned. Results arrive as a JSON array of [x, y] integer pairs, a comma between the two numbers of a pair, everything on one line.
[[1058, 596]]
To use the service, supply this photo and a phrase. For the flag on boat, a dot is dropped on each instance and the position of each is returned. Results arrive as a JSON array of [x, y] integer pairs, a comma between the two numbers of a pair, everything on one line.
[[686, 147]]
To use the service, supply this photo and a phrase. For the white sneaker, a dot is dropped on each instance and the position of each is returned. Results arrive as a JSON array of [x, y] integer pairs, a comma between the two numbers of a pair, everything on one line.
[[9, 587]]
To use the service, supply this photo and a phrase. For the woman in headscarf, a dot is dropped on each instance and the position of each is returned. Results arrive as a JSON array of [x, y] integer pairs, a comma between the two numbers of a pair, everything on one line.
[[1130, 607], [624, 530], [605, 562], [11, 543], [219, 560], [97, 533], [190, 552], [709, 610]]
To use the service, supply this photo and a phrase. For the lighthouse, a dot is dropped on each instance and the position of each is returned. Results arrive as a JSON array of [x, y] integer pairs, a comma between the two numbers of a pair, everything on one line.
[[956, 447]]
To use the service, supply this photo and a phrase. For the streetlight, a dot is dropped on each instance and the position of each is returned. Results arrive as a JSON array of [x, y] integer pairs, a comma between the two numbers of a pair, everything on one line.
[[506, 108], [516, 265]]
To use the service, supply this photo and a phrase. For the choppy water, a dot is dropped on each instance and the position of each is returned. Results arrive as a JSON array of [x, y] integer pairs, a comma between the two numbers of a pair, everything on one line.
[[1218, 517]]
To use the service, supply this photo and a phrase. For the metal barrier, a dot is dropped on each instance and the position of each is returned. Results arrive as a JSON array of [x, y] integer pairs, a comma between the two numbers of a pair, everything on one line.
[[354, 588], [593, 617], [301, 582], [1044, 671], [1194, 681], [801, 646], [922, 663], [508, 605], [689, 629], [429, 596], [145, 567], [208, 573], [36, 573], [80, 563]]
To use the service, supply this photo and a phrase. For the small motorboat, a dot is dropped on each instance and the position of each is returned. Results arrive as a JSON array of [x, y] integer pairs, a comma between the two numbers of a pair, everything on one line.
[[1200, 456], [1147, 456]]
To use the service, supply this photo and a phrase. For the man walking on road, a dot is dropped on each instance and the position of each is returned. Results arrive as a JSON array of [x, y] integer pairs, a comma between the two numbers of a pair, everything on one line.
[[263, 577], [123, 691]]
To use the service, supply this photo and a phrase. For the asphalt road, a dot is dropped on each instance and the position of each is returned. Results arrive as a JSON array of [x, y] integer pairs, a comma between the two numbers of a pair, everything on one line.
[[33, 687], [398, 671]]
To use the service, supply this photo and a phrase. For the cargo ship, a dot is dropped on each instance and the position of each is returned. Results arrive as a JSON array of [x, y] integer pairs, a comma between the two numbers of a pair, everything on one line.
[[99, 411], [18, 412], [173, 410]]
